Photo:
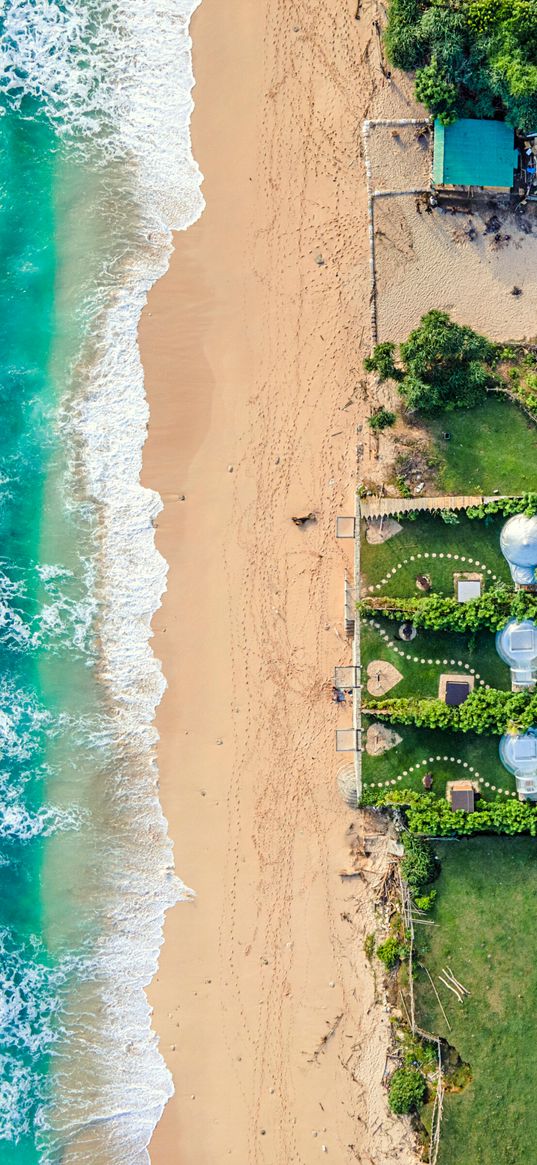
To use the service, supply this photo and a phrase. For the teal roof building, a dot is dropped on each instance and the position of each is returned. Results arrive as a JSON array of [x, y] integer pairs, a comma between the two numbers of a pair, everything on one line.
[[474, 153]]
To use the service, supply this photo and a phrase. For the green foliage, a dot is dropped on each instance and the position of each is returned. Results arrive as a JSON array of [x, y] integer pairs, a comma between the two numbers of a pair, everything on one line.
[[449, 517], [483, 15], [435, 91], [473, 59], [490, 611], [382, 361], [403, 46], [381, 419], [425, 902], [485, 710], [418, 866], [418, 1053], [446, 365], [369, 946], [406, 1091], [391, 951], [526, 504], [432, 816], [439, 613]]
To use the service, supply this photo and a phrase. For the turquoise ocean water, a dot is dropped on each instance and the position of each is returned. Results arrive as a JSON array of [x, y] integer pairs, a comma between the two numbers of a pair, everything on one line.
[[95, 169]]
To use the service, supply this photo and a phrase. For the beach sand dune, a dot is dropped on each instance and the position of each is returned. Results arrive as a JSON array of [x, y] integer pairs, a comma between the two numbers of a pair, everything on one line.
[[253, 346]]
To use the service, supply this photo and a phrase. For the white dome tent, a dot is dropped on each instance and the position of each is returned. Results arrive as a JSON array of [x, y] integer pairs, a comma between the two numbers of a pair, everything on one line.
[[518, 754], [518, 543], [516, 644]]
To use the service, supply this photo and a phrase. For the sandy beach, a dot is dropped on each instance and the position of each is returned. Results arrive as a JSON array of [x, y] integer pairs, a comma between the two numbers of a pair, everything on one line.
[[252, 345]]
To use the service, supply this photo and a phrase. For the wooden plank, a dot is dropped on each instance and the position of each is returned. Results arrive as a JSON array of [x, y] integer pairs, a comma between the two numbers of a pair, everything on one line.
[[384, 507]]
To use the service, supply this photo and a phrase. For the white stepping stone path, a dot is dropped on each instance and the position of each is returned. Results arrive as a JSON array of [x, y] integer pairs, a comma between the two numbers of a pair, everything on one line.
[[417, 659], [429, 760], [425, 555]]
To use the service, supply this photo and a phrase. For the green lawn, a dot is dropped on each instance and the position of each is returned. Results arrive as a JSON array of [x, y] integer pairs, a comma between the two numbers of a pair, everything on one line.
[[423, 547], [484, 452], [442, 652], [473, 756], [486, 931], [474, 542]]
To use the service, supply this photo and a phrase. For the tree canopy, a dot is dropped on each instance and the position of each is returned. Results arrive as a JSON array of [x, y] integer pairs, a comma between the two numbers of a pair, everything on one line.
[[473, 58], [444, 365]]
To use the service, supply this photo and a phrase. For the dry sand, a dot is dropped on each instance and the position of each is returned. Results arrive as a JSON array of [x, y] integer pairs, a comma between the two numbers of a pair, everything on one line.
[[252, 348]]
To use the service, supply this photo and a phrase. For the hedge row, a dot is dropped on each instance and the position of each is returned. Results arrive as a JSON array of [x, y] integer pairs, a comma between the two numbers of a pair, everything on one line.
[[491, 611], [431, 816], [485, 710]]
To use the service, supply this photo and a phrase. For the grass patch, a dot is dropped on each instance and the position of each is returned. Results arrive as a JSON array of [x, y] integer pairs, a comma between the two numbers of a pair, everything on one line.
[[486, 931], [485, 450], [417, 549], [438, 649], [473, 755]]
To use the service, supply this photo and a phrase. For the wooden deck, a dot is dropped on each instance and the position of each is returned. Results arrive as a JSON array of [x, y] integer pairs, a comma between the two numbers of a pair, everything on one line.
[[385, 507]]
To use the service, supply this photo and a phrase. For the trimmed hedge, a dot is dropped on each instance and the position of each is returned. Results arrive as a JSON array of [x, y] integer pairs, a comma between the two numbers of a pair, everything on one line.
[[485, 710], [525, 504], [491, 611], [432, 817]]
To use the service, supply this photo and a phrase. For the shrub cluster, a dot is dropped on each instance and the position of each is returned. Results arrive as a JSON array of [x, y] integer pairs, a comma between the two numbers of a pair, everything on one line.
[[491, 611], [443, 365], [381, 419], [485, 710], [475, 58], [406, 1090], [419, 866], [432, 816], [392, 951], [525, 504]]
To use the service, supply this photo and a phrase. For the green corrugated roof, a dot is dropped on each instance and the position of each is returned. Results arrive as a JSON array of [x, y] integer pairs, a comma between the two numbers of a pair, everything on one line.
[[474, 153]]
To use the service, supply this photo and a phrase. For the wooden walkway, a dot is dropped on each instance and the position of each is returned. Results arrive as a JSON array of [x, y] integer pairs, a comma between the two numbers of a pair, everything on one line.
[[384, 507]]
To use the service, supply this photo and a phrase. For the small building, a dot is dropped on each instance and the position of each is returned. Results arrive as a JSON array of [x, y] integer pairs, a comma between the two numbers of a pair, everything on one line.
[[461, 795], [474, 152], [455, 689], [516, 644], [468, 585], [518, 544], [518, 754]]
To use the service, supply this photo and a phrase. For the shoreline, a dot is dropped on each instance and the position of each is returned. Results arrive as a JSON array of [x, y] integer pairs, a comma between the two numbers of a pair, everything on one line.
[[251, 353]]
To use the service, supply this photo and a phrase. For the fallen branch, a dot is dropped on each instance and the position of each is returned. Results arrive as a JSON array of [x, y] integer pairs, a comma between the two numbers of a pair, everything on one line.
[[437, 995], [450, 988], [464, 990]]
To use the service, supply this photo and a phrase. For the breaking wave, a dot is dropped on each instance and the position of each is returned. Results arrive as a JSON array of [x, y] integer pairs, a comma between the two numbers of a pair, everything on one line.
[[114, 80]]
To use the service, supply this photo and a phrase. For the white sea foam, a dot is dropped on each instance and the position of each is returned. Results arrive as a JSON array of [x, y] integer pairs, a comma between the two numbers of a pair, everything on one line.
[[115, 79]]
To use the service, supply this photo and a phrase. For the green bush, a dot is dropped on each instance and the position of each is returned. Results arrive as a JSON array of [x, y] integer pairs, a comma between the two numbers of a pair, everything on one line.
[[473, 59], [382, 361], [432, 816], [435, 91], [391, 951], [485, 711], [490, 611], [426, 902], [419, 866], [443, 364], [381, 419], [406, 1091]]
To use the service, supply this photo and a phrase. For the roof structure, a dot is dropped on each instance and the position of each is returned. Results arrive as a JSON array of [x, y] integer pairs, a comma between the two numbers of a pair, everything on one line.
[[461, 795], [457, 691], [468, 588], [474, 153]]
